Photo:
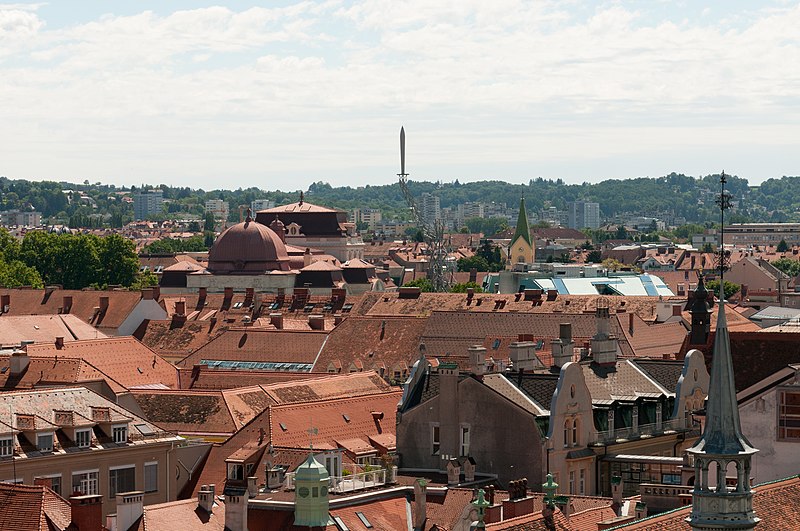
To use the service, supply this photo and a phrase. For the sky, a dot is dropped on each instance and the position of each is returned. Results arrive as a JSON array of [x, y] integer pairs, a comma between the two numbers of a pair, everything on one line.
[[282, 94]]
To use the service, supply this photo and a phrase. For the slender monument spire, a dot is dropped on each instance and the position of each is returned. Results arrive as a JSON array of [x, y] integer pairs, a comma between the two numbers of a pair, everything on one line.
[[722, 442]]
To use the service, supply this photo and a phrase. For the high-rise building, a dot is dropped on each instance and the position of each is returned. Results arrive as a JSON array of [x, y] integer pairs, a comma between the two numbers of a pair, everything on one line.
[[147, 203], [17, 218], [261, 204], [370, 216], [430, 208], [583, 215], [218, 207]]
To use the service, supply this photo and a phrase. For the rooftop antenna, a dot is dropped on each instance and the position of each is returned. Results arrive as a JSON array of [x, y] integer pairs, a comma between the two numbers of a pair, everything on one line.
[[311, 432], [724, 203]]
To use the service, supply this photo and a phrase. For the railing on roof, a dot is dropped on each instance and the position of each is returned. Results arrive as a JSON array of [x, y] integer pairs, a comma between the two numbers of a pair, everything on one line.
[[352, 482], [640, 431]]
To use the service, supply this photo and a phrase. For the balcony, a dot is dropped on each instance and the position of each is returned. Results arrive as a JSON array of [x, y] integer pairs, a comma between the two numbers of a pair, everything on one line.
[[641, 431], [352, 482]]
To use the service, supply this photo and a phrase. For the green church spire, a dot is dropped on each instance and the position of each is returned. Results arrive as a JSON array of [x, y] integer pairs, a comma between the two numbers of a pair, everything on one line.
[[523, 229]]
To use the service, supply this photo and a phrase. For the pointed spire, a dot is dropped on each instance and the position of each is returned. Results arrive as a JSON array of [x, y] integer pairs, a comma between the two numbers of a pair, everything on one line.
[[523, 229]]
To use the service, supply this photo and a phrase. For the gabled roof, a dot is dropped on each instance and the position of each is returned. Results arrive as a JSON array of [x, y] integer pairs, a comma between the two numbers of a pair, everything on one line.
[[621, 380], [44, 329], [187, 512], [32, 508], [122, 359]]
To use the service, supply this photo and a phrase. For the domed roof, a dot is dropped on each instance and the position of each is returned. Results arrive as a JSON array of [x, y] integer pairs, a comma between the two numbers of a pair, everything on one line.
[[248, 248]]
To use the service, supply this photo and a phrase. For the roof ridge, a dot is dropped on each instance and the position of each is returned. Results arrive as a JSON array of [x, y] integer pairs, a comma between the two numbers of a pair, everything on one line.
[[296, 405]]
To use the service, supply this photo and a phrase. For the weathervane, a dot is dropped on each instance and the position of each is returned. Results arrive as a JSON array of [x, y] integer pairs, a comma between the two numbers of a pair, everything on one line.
[[724, 203], [311, 432]]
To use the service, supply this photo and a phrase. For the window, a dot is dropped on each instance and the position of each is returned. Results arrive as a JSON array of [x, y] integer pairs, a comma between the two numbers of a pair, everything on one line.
[[83, 438], [572, 482], [574, 432], [121, 479], [85, 482], [6, 446], [582, 481], [364, 520], [236, 471], [789, 415], [435, 442], [464, 440], [151, 477], [44, 442], [120, 433], [54, 482]]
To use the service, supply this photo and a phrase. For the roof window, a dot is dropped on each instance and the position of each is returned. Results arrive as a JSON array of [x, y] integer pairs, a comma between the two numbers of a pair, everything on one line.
[[364, 520]]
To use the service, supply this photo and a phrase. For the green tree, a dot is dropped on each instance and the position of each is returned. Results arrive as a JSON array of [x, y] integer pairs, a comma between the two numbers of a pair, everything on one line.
[[143, 280], [612, 264], [782, 246], [730, 288], [622, 233], [478, 262], [15, 274], [788, 266], [594, 257], [463, 286], [118, 256], [708, 248], [209, 222], [424, 284]]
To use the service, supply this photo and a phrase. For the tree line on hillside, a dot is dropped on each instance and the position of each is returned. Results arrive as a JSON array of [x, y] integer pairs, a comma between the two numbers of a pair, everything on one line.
[[73, 261], [96, 205]]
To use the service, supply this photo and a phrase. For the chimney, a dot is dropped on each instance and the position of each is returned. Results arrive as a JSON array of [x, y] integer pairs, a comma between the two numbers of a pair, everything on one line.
[[67, 304], [469, 470], [156, 292], [19, 362], [409, 292], [337, 319], [87, 512], [470, 295], [235, 510], [307, 257], [252, 486], [562, 349], [453, 472], [104, 303], [228, 294], [477, 359], [616, 493], [383, 329], [641, 510], [248, 296], [5, 303], [523, 355], [316, 322], [276, 320], [630, 323], [420, 503], [744, 290], [129, 509], [677, 310], [205, 498], [604, 345], [59, 342], [180, 308], [147, 295], [473, 274], [202, 295]]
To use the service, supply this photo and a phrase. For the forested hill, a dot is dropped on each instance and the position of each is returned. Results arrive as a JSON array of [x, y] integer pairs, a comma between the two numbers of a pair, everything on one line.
[[677, 194]]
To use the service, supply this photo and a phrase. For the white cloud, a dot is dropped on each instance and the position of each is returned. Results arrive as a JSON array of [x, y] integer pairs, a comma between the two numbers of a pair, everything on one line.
[[482, 83]]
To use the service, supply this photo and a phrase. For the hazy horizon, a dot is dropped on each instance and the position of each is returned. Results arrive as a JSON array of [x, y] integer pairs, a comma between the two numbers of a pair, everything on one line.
[[278, 97]]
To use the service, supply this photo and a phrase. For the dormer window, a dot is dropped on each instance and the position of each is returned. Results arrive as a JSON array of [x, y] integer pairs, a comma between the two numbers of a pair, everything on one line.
[[83, 438], [44, 442], [6, 446], [120, 433], [236, 471]]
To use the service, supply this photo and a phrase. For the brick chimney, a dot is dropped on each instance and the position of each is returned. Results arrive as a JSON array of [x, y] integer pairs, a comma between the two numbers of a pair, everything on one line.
[[87, 512], [59, 342], [276, 320], [316, 322], [420, 503], [147, 294], [180, 308], [337, 319], [228, 294], [205, 498], [202, 294], [130, 508], [66, 305], [156, 292], [103, 303]]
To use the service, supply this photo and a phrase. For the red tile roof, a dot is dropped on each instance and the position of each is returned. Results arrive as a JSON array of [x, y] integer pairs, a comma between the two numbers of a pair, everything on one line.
[[533, 522], [32, 508], [774, 503], [261, 345], [185, 515], [122, 359], [381, 514], [44, 329]]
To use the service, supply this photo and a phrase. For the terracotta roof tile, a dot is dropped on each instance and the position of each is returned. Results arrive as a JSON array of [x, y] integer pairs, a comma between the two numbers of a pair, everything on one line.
[[774, 503], [381, 514], [123, 359], [32, 508], [260, 345], [187, 513], [535, 521], [175, 340], [44, 329]]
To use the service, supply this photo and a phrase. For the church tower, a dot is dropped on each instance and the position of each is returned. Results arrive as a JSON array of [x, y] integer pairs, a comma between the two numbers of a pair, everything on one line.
[[311, 494], [522, 249], [716, 504]]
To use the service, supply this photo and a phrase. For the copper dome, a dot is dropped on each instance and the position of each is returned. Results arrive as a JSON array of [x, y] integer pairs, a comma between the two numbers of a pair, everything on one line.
[[248, 248]]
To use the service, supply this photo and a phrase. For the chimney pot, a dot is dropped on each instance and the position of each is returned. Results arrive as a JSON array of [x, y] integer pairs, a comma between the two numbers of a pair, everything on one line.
[[147, 295], [276, 320], [316, 322], [59, 342], [104, 303]]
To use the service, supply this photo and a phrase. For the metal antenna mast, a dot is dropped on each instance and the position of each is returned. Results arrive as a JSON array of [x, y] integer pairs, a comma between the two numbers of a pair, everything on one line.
[[724, 202], [432, 233]]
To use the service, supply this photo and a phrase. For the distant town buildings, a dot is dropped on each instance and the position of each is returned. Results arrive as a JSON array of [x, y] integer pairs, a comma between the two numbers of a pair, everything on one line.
[[17, 218], [369, 216], [219, 208], [147, 203], [261, 204], [744, 234], [583, 215], [429, 207]]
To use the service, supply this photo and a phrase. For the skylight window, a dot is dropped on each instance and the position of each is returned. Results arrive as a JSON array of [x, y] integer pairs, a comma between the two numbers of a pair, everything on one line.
[[346, 418], [283, 426], [364, 520], [340, 524]]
